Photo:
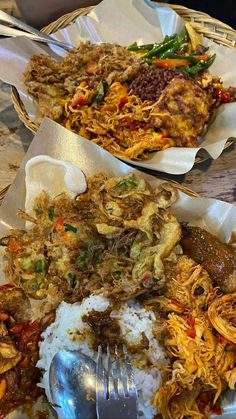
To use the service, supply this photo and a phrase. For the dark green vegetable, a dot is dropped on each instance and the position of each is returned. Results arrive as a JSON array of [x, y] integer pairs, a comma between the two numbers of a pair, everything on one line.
[[136, 47], [51, 213], [100, 92], [162, 47], [39, 266], [129, 182], [171, 50], [80, 261], [200, 66], [71, 279], [191, 58], [69, 227]]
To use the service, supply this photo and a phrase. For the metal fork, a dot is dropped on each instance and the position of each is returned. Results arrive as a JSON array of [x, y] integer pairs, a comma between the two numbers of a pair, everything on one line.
[[26, 30], [116, 394]]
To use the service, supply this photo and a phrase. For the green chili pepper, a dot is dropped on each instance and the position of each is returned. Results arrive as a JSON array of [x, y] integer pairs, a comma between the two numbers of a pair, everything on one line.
[[69, 227], [163, 46], [51, 213], [39, 266], [100, 92]]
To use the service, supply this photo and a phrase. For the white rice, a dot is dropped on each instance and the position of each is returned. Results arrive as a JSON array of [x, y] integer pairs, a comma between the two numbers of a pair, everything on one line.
[[68, 332]]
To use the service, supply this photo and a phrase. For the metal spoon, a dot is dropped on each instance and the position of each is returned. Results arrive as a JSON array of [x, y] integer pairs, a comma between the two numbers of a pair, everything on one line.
[[72, 382]]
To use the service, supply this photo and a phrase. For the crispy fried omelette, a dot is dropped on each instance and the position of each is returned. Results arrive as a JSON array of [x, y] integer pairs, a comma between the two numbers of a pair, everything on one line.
[[183, 111], [112, 240]]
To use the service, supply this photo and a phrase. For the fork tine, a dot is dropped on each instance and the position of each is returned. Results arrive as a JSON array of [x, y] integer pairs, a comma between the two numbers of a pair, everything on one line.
[[101, 377], [112, 380], [131, 388], [120, 374]]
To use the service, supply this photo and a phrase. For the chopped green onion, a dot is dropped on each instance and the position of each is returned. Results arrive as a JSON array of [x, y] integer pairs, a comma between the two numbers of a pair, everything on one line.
[[129, 182], [39, 266], [81, 259], [33, 285], [69, 227], [25, 263], [51, 213]]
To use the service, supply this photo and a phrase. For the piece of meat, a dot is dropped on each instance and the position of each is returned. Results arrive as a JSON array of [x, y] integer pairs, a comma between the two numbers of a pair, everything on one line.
[[219, 259], [16, 304], [182, 110]]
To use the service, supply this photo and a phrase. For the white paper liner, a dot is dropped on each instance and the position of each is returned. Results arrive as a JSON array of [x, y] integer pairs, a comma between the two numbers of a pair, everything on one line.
[[124, 22], [57, 142]]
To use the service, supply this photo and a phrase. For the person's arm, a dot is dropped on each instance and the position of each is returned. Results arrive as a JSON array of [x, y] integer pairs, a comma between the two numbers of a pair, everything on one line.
[[39, 13]]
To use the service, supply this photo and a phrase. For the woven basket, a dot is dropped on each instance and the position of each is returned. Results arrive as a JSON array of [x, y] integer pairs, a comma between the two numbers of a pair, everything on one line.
[[203, 23]]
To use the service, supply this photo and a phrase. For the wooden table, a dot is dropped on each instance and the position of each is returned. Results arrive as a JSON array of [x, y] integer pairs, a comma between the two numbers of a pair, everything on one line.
[[213, 178]]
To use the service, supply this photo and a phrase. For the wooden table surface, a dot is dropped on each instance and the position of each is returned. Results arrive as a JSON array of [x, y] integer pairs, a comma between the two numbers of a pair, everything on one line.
[[213, 178]]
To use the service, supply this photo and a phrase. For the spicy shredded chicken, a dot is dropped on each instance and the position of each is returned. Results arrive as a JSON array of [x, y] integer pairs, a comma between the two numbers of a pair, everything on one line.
[[202, 360]]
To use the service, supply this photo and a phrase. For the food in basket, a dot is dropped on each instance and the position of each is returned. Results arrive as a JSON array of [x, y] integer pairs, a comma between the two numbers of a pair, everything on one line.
[[111, 239], [131, 101], [115, 257]]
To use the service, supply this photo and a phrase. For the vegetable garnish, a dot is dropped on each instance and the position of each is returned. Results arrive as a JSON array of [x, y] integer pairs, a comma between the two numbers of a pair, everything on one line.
[[6, 287], [13, 246], [39, 266], [51, 213], [59, 224], [177, 51], [100, 92], [69, 227]]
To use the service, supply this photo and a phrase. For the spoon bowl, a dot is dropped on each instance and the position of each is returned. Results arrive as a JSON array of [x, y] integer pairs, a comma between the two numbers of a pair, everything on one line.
[[72, 383]]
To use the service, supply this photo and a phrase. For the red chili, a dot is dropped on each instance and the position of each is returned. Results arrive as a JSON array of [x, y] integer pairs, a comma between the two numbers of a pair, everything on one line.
[[123, 101], [176, 303], [204, 397], [215, 408], [191, 333], [28, 333], [18, 328], [6, 287], [224, 96], [59, 224], [13, 246], [191, 321]]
